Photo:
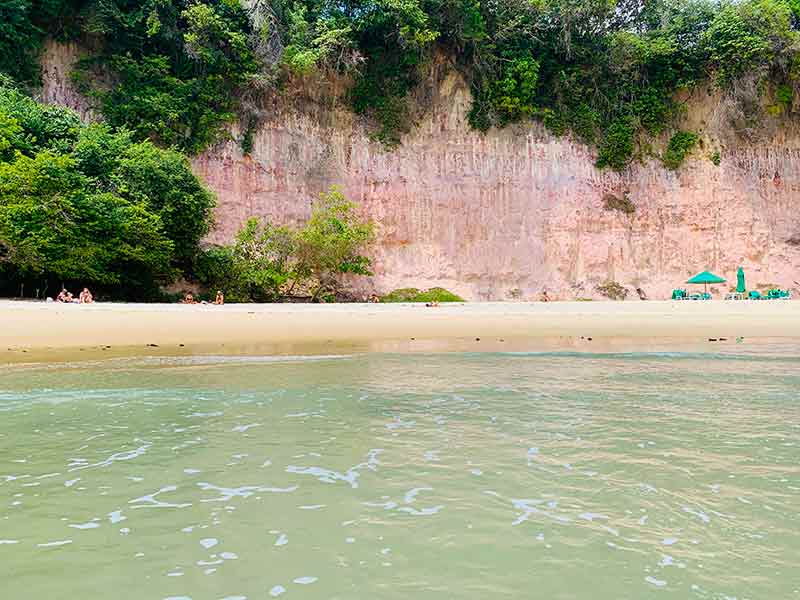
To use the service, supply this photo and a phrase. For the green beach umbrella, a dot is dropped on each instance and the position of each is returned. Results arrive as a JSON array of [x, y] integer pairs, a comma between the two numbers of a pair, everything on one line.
[[705, 278], [740, 287]]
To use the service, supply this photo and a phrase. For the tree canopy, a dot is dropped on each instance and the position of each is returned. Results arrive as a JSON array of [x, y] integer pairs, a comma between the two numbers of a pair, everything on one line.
[[88, 203], [175, 71]]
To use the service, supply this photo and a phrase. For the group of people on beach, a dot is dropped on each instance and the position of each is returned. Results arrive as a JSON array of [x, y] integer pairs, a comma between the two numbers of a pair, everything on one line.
[[188, 298], [85, 297]]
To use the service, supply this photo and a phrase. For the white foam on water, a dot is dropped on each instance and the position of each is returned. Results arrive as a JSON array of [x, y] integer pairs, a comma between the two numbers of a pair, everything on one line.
[[54, 544]]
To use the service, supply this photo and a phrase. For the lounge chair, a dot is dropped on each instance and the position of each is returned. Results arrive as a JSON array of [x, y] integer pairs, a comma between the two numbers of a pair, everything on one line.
[[778, 294], [754, 295], [679, 295], [705, 296]]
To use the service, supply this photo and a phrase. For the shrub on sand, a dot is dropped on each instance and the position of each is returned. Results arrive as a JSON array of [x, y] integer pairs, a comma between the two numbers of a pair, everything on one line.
[[436, 294]]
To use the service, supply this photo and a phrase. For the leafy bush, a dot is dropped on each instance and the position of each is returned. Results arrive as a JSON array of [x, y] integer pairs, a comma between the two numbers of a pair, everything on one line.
[[621, 204], [435, 294], [616, 148], [679, 147], [267, 262], [612, 290], [748, 36]]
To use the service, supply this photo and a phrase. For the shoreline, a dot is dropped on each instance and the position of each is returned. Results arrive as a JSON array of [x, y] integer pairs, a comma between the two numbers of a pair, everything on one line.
[[56, 328]]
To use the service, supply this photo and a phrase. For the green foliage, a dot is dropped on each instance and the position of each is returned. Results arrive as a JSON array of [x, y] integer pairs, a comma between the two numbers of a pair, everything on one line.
[[87, 203], [176, 66], [331, 242], [435, 294], [262, 260], [513, 94], [23, 27], [679, 147], [784, 94], [267, 262], [163, 180], [605, 71], [612, 290], [52, 221], [715, 158], [616, 148], [748, 36]]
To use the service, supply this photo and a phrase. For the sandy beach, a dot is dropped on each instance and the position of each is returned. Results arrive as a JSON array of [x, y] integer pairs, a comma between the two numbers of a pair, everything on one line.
[[40, 326]]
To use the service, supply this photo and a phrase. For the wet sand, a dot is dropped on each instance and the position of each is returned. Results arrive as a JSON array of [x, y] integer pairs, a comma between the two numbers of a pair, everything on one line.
[[52, 327]]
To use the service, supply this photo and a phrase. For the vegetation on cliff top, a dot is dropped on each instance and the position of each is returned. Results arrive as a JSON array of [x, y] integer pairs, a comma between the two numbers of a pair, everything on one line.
[[174, 71]]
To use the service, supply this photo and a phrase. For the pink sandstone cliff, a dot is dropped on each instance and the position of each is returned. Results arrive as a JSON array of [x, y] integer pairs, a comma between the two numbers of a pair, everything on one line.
[[511, 213]]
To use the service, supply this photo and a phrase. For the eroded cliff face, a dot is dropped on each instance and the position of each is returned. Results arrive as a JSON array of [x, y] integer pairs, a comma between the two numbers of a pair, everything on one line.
[[511, 213]]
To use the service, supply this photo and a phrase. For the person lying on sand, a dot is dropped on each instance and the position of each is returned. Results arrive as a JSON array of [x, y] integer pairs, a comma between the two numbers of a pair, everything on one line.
[[220, 299], [433, 304], [85, 297]]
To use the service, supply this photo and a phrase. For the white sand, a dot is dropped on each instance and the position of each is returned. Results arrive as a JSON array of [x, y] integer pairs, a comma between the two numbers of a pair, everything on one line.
[[34, 325]]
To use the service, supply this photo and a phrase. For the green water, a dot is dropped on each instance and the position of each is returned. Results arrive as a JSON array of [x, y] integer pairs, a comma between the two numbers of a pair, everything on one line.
[[557, 476]]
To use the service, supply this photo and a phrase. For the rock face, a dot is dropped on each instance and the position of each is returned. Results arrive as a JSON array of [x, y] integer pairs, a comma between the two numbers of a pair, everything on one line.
[[514, 212]]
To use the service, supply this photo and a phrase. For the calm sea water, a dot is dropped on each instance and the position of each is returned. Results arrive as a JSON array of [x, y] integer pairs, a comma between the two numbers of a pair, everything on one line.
[[485, 475]]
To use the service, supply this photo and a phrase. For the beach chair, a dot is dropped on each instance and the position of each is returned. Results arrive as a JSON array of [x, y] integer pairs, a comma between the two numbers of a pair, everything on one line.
[[679, 294], [694, 297], [705, 296], [754, 295], [777, 294]]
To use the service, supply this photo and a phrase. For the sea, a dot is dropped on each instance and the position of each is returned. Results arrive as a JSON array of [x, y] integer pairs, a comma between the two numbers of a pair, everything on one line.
[[404, 475]]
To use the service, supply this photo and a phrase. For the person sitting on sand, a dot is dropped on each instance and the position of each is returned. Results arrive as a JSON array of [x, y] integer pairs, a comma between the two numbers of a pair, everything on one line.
[[373, 299], [545, 297], [188, 299], [220, 299], [85, 297], [64, 296]]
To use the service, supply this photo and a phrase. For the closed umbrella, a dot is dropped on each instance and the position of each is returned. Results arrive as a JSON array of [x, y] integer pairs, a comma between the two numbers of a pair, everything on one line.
[[705, 278], [740, 287]]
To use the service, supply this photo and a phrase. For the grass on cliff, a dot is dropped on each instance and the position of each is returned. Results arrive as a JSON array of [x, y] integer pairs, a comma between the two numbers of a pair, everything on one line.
[[435, 294]]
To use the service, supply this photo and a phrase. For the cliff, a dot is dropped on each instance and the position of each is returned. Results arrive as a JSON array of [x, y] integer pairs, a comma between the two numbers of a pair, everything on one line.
[[515, 211]]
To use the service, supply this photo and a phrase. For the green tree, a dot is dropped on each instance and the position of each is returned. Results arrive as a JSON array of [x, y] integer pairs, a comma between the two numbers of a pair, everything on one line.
[[267, 262], [86, 202], [164, 182], [747, 36], [51, 222], [332, 243], [262, 259]]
